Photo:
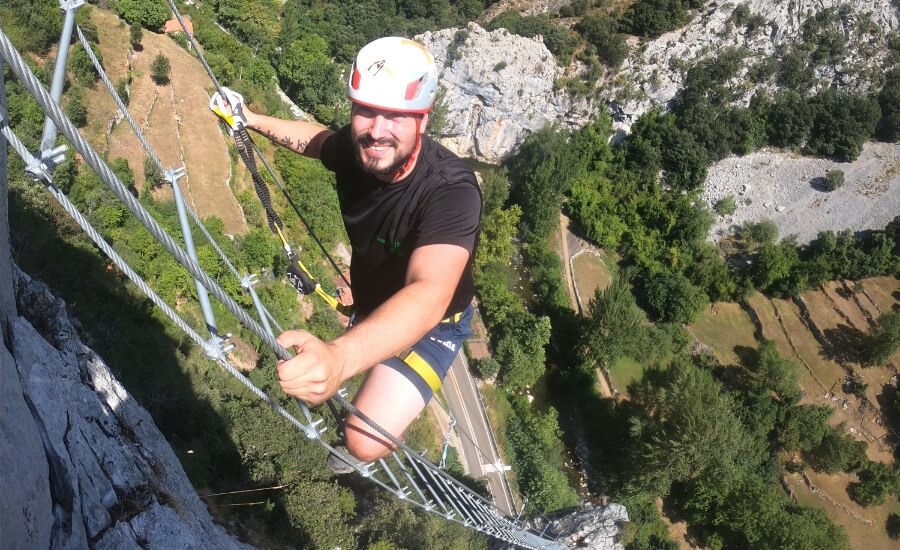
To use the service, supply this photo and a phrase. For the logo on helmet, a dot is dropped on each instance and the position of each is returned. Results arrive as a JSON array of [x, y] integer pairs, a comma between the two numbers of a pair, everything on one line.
[[378, 66]]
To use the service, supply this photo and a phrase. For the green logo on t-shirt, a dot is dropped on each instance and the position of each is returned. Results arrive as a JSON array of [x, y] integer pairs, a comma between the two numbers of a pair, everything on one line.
[[390, 249]]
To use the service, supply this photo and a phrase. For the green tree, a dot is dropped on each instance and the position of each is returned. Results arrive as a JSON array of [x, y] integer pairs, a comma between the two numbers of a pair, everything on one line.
[[842, 123], [308, 74], [889, 100], [834, 179], [877, 480], [159, 69], [136, 33], [75, 109], [498, 231], [602, 32], [494, 190], [672, 297], [804, 427], [772, 372], [882, 341], [149, 13], [838, 452], [520, 349], [687, 430]]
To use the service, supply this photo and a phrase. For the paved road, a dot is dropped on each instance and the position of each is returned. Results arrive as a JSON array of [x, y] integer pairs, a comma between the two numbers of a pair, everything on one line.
[[479, 458]]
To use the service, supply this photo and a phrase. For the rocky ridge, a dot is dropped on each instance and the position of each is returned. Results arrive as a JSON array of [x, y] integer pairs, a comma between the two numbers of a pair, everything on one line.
[[498, 87], [652, 76], [84, 466]]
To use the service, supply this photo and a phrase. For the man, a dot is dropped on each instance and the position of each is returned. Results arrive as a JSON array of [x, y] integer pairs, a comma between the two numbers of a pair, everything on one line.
[[411, 209]]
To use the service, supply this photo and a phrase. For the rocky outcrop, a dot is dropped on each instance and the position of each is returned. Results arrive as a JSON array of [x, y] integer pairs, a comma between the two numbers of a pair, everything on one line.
[[593, 528], [84, 466], [498, 87], [654, 74]]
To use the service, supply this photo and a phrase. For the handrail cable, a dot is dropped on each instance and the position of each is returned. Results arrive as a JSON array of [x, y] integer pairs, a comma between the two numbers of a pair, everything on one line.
[[477, 504], [242, 138]]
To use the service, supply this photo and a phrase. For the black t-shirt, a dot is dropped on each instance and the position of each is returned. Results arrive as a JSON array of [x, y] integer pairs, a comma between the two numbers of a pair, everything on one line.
[[438, 203]]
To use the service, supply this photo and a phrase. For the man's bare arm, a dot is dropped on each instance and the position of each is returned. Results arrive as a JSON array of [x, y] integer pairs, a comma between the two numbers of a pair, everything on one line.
[[320, 368], [301, 137]]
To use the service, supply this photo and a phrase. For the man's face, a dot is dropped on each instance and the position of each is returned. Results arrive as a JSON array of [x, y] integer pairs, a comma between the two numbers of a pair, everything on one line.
[[384, 139]]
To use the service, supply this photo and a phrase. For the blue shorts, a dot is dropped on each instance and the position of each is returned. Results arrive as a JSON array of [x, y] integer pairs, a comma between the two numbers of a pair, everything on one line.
[[426, 363]]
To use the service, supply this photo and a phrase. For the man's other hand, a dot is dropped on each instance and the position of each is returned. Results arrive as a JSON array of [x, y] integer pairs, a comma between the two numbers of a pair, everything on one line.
[[315, 373]]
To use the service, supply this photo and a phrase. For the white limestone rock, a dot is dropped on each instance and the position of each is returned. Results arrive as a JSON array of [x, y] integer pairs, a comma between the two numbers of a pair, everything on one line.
[[499, 89], [652, 76]]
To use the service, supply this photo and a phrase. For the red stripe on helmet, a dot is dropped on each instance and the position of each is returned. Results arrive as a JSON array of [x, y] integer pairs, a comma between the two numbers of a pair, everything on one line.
[[354, 81], [412, 89]]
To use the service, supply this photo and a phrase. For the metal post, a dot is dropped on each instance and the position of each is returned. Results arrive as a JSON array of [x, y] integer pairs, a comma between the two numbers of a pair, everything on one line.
[[48, 137], [7, 298], [247, 282], [172, 177]]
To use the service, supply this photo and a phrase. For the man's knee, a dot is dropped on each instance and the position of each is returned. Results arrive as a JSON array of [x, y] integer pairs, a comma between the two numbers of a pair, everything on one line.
[[365, 444]]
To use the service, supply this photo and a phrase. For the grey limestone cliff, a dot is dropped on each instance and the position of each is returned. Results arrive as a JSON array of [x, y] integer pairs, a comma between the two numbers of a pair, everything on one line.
[[498, 87], [84, 464]]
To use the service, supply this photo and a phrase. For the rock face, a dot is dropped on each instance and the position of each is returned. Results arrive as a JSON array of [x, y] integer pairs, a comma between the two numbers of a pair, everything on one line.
[[83, 464], [653, 76], [594, 528], [498, 88]]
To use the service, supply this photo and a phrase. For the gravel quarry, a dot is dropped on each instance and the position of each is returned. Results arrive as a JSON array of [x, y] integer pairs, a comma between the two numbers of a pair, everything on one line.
[[784, 187]]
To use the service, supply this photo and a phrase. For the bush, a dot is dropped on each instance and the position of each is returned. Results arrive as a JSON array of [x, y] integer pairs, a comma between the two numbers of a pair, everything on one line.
[[75, 109], [83, 67], [148, 13], [725, 206], [486, 368], [136, 32], [834, 179], [122, 90], [159, 69], [876, 481]]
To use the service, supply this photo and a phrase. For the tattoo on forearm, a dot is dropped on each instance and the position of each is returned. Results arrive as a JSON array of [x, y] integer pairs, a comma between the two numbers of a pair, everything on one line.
[[287, 141]]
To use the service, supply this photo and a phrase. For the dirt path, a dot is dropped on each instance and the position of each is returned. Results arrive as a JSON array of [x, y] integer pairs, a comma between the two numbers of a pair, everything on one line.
[[567, 266], [564, 235]]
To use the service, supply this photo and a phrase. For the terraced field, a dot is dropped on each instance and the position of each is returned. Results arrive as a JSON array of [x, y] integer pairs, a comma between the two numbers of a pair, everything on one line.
[[817, 331]]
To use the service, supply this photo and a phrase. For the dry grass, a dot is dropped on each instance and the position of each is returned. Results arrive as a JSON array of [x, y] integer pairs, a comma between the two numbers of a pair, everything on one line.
[[861, 535], [771, 329], [174, 118], [590, 273], [807, 350], [883, 291], [724, 327], [842, 300]]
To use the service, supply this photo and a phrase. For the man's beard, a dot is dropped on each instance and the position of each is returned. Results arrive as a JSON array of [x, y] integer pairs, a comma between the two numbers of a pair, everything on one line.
[[371, 166]]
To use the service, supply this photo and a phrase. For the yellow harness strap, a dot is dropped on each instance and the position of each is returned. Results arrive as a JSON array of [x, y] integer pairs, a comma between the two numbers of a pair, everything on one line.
[[423, 369]]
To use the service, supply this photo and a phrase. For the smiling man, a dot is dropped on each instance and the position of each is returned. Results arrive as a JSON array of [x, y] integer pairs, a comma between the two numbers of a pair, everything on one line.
[[411, 209]]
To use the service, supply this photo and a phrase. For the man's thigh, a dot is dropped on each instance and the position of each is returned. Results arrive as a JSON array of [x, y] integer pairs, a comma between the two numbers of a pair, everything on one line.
[[391, 401]]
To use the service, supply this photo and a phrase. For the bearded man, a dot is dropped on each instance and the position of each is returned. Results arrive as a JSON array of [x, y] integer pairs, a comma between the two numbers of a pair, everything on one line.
[[411, 209]]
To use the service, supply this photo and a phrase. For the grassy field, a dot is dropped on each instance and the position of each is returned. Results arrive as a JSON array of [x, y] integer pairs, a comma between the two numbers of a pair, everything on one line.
[[623, 371], [590, 272], [725, 327]]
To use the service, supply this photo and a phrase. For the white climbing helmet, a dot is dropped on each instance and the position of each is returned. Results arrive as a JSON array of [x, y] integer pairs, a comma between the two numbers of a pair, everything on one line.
[[394, 74]]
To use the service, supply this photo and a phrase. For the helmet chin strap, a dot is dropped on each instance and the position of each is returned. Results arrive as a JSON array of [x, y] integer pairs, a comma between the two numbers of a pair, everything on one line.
[[415, 153]]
